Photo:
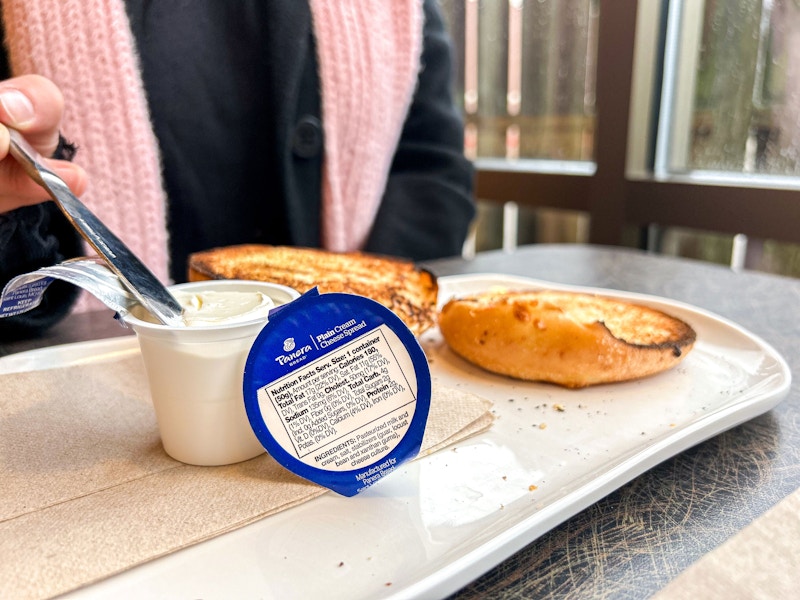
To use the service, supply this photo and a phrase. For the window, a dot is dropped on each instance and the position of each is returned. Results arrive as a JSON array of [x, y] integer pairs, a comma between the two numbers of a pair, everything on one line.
[[743, 117], [526, 83], [672, 124]]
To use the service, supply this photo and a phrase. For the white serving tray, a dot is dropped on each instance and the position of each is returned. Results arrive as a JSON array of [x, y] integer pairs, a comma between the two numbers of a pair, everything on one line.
[[438, 523]]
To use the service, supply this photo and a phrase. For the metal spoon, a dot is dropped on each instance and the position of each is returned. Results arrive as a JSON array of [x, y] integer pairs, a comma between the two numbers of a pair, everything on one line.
[[147, 289]]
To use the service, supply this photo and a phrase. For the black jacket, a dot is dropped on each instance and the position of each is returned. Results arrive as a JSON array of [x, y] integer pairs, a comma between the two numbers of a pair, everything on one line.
[[235, 104]]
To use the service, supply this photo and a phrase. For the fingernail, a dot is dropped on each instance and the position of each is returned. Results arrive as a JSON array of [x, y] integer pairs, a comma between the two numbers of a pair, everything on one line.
[[17, 106]]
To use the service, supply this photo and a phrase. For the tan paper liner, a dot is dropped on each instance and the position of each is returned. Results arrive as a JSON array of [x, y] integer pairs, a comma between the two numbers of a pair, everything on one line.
[[87, 490]]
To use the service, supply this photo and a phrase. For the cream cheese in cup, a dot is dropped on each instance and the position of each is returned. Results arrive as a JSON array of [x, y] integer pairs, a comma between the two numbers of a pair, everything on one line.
[[209, 307], [195, 371], [218, 307]]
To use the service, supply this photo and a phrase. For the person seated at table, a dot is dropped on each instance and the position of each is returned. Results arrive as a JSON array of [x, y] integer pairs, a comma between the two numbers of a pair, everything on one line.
[[327, 123]]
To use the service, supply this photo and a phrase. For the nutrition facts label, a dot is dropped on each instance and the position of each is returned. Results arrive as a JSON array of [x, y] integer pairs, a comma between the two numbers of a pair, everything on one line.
[[348, 408], [338, 390]]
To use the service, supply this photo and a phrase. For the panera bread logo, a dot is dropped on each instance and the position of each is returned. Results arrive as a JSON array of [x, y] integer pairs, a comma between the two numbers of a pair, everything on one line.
[[292, 357]]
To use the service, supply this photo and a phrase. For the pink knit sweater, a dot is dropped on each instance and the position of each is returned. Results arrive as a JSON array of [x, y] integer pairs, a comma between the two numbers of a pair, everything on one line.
[[369, 57]]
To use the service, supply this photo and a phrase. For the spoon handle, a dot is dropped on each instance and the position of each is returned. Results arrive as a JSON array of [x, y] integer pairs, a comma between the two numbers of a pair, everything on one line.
[[142, 283]]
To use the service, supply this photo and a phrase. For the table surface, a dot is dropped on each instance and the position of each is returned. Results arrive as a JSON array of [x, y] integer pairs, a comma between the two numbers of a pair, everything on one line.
[[642, 536]]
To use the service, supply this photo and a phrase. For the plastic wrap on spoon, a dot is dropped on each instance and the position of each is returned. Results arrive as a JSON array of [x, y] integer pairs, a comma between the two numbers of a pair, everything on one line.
[[25, 292]]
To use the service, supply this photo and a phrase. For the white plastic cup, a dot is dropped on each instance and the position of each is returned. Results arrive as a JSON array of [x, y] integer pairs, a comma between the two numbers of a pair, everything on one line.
[[195, 376]]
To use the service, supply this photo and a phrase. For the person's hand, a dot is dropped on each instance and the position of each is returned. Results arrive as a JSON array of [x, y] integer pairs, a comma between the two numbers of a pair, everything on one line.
[[34, 106]]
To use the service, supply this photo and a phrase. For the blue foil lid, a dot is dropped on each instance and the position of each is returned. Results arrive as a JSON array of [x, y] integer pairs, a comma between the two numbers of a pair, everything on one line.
[[338, 390]]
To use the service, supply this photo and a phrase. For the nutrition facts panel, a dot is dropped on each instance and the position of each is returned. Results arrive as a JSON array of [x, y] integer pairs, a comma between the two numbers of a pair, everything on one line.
[[346, 408]]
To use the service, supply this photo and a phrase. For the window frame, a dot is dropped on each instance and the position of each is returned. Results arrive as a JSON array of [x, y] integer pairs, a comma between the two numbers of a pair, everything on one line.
[[623, 188]]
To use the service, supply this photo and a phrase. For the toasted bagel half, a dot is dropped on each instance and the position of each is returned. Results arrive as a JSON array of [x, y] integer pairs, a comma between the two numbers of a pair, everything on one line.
[[567, 338], [398, 284]]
